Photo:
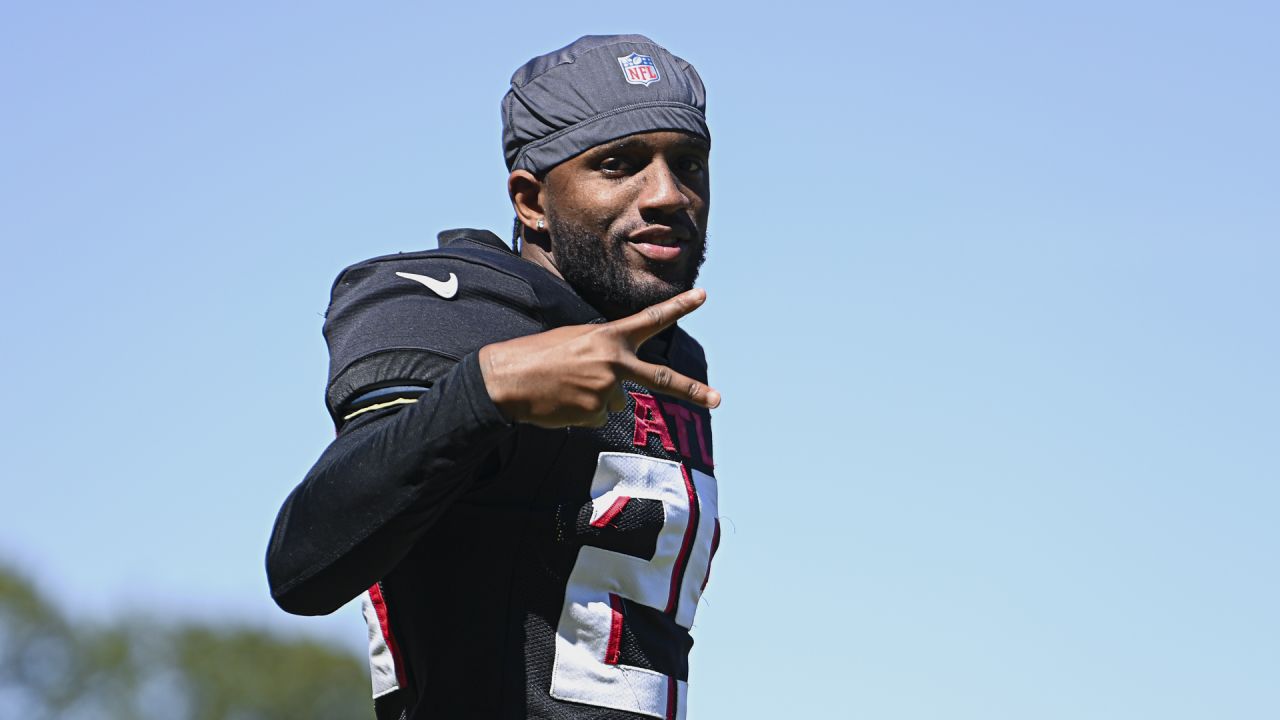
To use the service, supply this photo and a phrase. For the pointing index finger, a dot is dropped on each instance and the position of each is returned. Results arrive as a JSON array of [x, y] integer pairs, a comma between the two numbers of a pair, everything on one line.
[[654, 319], [660, 378]]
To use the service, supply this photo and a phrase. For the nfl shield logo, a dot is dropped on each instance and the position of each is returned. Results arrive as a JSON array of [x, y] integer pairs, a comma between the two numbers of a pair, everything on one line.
[[639, 69]]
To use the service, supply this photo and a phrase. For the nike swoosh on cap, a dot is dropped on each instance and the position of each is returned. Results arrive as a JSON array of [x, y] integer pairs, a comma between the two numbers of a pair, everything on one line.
[[444, 288]]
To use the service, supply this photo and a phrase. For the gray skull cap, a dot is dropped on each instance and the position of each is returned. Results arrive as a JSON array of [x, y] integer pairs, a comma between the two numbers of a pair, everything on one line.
[[596, 89]]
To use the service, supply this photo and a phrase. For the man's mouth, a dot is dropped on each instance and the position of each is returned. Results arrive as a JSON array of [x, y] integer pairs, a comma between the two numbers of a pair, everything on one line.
[[658, 243]]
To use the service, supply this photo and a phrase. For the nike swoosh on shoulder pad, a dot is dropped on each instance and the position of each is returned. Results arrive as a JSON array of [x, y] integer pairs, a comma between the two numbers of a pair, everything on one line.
[[444, 288]]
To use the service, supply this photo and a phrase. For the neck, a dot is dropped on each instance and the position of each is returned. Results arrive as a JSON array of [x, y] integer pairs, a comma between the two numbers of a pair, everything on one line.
[[535, 253]]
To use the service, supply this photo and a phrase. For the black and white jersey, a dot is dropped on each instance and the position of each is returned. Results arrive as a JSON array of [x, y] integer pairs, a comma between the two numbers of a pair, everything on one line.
[[508, 571]]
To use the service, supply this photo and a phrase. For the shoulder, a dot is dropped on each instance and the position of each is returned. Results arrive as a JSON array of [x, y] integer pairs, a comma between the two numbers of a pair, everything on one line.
[[409, 317], [449, 301], [485, 267], [471, 272]]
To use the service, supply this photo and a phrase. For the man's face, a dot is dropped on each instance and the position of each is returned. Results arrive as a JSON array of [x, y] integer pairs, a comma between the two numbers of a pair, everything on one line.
[[627, 219]]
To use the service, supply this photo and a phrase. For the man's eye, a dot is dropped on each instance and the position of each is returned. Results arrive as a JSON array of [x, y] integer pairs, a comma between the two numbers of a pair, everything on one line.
[[692, 164], [614, 165]]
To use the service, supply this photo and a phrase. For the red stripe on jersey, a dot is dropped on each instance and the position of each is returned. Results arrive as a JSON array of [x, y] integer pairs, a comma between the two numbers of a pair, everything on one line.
[[608, 515], [677, 572], [380, 609], [615, 631], [715, 545]]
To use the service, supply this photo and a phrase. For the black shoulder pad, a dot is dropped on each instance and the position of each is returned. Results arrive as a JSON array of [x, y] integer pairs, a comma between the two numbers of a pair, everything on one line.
[[447, 237], [406, 319], [558, 303]]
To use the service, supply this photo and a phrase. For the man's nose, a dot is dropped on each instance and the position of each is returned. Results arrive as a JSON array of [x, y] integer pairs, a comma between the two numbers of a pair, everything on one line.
[[663, 192]]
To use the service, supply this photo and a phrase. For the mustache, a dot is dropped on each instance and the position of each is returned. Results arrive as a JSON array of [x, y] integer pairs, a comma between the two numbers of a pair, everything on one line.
[[681, 226]]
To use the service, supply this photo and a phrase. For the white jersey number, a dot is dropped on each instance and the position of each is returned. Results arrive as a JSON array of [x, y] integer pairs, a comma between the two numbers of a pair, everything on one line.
[[586, 665]]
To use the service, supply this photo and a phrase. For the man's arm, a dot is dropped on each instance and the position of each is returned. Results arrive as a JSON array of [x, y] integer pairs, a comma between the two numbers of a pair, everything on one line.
[[386, 479], [377, 488]]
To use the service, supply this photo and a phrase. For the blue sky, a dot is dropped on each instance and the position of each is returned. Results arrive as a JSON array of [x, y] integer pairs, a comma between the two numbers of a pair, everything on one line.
[[992, 306]]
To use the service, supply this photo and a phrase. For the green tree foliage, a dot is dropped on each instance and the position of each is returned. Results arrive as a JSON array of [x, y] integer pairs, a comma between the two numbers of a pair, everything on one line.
[[53, 669]]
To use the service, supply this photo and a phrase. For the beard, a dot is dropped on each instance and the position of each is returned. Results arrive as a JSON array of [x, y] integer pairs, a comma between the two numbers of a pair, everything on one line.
[[598, 270]]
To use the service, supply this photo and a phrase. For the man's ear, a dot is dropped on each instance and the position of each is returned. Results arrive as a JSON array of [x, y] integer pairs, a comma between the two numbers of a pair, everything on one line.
[[525, 191]]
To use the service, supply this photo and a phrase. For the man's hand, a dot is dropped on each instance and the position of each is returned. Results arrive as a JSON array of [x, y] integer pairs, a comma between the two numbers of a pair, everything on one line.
[[573, 375]]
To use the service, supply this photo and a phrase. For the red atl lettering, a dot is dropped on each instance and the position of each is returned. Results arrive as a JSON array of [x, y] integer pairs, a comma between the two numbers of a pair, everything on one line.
[[649, 421], [702, 441], [682, 416]]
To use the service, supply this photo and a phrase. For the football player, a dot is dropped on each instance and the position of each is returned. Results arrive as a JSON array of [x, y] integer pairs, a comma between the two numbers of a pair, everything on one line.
[[522, 483]]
